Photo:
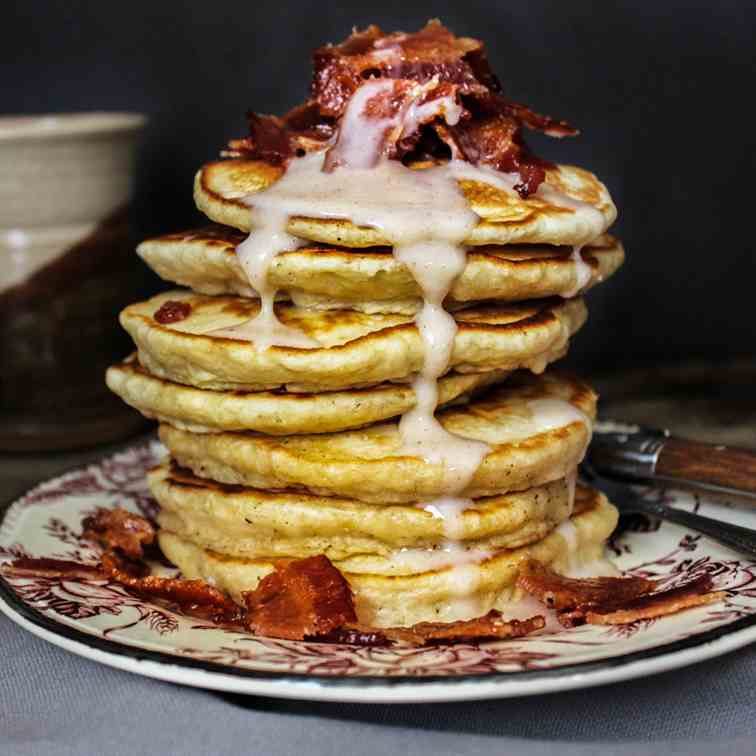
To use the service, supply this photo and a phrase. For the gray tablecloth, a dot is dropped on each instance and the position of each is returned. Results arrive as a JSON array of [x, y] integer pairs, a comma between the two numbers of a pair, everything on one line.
[[52, 702]]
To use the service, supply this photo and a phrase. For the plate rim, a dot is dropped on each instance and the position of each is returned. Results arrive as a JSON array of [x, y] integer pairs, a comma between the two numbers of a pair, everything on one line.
[[363, 688], [372, 689]]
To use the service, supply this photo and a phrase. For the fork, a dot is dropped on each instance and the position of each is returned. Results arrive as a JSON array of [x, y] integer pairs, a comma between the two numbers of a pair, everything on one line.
[[628, 502]]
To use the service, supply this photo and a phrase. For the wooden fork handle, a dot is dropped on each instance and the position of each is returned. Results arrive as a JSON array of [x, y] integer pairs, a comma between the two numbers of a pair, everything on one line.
[[721, 466]]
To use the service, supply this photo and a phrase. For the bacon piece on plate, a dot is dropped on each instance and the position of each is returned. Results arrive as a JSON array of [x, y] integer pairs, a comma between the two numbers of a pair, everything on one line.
[[194, 597], [611, 601], [51, 568], [302, 598], [695, 592], [559, 592], [491, 626], [120, 529]]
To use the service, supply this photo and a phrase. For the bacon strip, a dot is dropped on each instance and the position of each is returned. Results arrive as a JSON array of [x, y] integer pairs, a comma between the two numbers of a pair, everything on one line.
[[696, 592], [611, 601], [194, 597], [44, 567], [559, 592], [491, 626], [275, 140], [300, 599], [124, 536], [119, 529]]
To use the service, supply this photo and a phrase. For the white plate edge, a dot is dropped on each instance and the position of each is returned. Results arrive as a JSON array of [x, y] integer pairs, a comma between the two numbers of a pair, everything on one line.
[[419, 692]]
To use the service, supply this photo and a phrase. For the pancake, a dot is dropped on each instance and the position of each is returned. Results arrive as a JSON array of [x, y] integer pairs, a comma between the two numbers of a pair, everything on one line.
[[357, 349], [373, 280], [387, 593], [531, 444], [251, 523], [276, 412], [222, 190]]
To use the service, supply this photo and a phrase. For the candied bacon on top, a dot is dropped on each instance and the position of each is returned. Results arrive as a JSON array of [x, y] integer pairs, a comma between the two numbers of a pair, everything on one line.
[[275, 140], [434, 51], [424, 72]]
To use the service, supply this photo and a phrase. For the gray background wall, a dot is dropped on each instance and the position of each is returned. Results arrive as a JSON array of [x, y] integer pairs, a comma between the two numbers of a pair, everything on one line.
[[661, 90]]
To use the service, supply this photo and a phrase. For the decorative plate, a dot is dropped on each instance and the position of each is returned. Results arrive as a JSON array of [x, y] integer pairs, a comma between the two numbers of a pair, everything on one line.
[[100, 620]]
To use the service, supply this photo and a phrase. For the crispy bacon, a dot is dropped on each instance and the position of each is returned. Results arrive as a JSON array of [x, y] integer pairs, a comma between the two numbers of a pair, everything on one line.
[[194, 597], [270, 138], [497, 141], [449, 69], [559, 592], [124, 536], [275, 140], [310, 599], [610, 601], [695, 592], [489, 627], [432, 52], [120, 529], [300, 599], [44, 567]]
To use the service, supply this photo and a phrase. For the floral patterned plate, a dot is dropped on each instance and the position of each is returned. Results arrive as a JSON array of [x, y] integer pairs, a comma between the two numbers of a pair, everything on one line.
[[101, 621]]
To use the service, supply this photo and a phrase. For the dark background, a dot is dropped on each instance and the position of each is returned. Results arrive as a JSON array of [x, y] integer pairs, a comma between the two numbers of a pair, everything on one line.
[[661, 90]]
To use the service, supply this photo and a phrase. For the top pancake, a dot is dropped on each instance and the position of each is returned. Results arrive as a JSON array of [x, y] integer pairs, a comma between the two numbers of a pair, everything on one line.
[[327, 277], [224, 190]]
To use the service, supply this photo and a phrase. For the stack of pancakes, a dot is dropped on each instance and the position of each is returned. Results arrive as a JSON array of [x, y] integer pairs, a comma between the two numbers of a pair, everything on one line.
[[366, 375], [290, 452]]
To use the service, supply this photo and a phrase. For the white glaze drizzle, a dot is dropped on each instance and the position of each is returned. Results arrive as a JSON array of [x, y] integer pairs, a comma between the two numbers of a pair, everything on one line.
[[569, 532], [362, 138], [571, 481], [551, 413], [419, 560], [599, 567], [425, 217], [255, 255], [583, 272], [592, 219]]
